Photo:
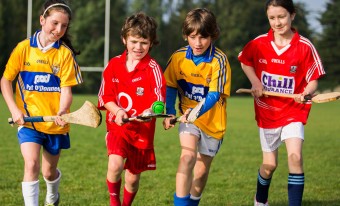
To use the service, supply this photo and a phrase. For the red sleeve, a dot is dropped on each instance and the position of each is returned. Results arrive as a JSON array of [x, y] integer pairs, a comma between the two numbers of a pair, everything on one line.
[[158, 83], [313, 64], [106, 92], [247, 54]]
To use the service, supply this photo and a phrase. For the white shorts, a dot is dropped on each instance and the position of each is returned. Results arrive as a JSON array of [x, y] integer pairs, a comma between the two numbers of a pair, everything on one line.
[[271, 139], [206, 144]]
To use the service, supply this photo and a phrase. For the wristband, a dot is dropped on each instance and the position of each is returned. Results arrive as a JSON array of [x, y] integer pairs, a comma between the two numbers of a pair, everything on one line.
[[119, 110]]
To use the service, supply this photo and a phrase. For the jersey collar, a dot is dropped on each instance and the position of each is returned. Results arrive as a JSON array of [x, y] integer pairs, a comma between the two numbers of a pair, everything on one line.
[[295, 38], [208, 57], [34, 41], [143, 63]]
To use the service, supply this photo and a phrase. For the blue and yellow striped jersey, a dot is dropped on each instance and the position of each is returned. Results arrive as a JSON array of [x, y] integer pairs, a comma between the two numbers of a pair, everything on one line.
[[40, 78], [195, 81]]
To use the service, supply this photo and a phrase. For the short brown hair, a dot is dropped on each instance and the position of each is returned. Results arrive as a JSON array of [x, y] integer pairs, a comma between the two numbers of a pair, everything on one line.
[[203, 21]]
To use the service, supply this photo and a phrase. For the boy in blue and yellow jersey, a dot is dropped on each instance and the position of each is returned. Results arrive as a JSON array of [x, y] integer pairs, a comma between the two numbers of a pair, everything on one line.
[[194, 72], [46, 69]]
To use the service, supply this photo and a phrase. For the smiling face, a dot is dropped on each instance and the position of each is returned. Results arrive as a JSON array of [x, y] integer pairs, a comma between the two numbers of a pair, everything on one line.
[[280, 20], [137, 47], [198, 43], [54, 26]]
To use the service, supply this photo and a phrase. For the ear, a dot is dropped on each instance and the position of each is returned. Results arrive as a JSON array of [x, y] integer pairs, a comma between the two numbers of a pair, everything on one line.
[[42, 20], [292, 16], [124, 41]]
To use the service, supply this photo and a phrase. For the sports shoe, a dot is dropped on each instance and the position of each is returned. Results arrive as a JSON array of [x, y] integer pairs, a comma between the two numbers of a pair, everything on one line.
[[260, 203], [56, 203]]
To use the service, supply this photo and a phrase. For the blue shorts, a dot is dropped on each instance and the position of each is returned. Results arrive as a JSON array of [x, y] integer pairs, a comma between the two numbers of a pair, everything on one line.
[[52, 143]]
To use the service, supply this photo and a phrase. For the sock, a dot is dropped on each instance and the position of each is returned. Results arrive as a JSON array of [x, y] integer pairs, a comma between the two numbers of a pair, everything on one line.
[[262, 189], [52, 189], [128, 197], [182, 201], [114, 191], [296, 183], [194, 201], [30, 191]]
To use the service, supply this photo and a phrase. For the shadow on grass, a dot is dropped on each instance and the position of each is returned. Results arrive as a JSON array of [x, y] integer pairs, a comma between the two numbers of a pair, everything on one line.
[[311, 203]]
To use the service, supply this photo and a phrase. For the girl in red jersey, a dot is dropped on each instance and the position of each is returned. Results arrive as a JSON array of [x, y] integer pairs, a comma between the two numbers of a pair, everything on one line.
[[131, 83], [281, 61]]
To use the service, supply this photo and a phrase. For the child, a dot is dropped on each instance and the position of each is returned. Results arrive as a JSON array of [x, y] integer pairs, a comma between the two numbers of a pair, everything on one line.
[[284, 61], [46, 69], [131, 83], [197, 71]]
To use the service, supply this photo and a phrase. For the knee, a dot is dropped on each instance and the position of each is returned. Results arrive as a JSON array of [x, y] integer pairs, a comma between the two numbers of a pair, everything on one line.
[[132, 180], [188, 160], [115, 169], [32, 167], [295, 159], [269, 169]]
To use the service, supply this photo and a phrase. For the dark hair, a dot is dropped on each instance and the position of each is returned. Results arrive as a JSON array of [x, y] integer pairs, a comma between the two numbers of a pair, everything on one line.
[[63, 7], [287, 4], [203, 21], [140, 25]]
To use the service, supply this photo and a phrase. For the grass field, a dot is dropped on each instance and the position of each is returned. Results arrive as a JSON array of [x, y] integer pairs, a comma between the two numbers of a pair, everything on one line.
[[232, 180]]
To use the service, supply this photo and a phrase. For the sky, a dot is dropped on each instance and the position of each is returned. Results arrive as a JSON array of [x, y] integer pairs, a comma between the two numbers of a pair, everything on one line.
[[314, 7]]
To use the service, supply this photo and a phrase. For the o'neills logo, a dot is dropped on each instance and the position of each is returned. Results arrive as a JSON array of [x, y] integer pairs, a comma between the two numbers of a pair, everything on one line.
[[278, 83]]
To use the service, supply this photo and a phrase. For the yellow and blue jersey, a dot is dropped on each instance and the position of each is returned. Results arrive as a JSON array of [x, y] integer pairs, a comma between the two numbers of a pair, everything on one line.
[[41, 75], [193, 82]]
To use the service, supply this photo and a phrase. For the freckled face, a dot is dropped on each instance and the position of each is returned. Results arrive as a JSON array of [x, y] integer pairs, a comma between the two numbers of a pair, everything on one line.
[[54, 26], [137, 47], [198, 43], [280, 19]]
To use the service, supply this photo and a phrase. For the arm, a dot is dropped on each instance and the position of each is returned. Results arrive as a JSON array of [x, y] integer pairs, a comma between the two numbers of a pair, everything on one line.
[[257, 86], [7, 93], [117, 111], [309, 90], [64, 104]]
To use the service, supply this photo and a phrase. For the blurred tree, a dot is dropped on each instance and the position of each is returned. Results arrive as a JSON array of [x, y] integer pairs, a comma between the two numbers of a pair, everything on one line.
[[13, 29], [329, 44]]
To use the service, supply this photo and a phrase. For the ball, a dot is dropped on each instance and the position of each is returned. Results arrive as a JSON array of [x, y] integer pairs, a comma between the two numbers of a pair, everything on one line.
[[158, 107]]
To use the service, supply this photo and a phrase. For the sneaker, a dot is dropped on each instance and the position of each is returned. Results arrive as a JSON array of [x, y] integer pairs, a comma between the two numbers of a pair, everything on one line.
[[260, 203], [56, 203]]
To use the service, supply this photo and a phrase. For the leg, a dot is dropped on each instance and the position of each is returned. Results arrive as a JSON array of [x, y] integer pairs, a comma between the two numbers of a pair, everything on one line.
[[130, 188], [185, 168], [296, 178], [113, 178], [201, 173], [269, 164], [30, 185], [51, 176], [186, 164]]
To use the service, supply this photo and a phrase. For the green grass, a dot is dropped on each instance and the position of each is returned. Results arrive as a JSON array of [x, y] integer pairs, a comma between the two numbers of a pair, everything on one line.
[[232, 180]]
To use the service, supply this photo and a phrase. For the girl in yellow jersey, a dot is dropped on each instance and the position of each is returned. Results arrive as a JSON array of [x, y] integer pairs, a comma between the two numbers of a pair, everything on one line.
[[46, 69], [194, 72]]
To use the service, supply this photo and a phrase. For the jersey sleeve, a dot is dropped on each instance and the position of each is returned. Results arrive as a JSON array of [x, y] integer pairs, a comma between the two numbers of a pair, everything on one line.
[[247, 54], [70, 71], [221, 75], [313, 64], [158, 83], [170, 72], [106, 92], [14, 63]]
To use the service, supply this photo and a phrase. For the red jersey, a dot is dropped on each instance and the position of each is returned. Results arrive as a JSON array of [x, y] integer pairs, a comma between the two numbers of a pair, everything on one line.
[[283, 70], [135, 92]]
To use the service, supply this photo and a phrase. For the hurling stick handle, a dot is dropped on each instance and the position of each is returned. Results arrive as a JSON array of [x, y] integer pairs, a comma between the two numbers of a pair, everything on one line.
[[243, 91], [35, 119]]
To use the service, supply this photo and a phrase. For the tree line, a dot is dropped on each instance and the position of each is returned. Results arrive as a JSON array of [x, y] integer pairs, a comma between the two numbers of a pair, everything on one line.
[[239, 21]]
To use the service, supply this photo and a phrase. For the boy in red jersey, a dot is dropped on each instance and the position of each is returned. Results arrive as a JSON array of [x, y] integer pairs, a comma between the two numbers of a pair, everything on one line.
[[281, 61], [131, 83]]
